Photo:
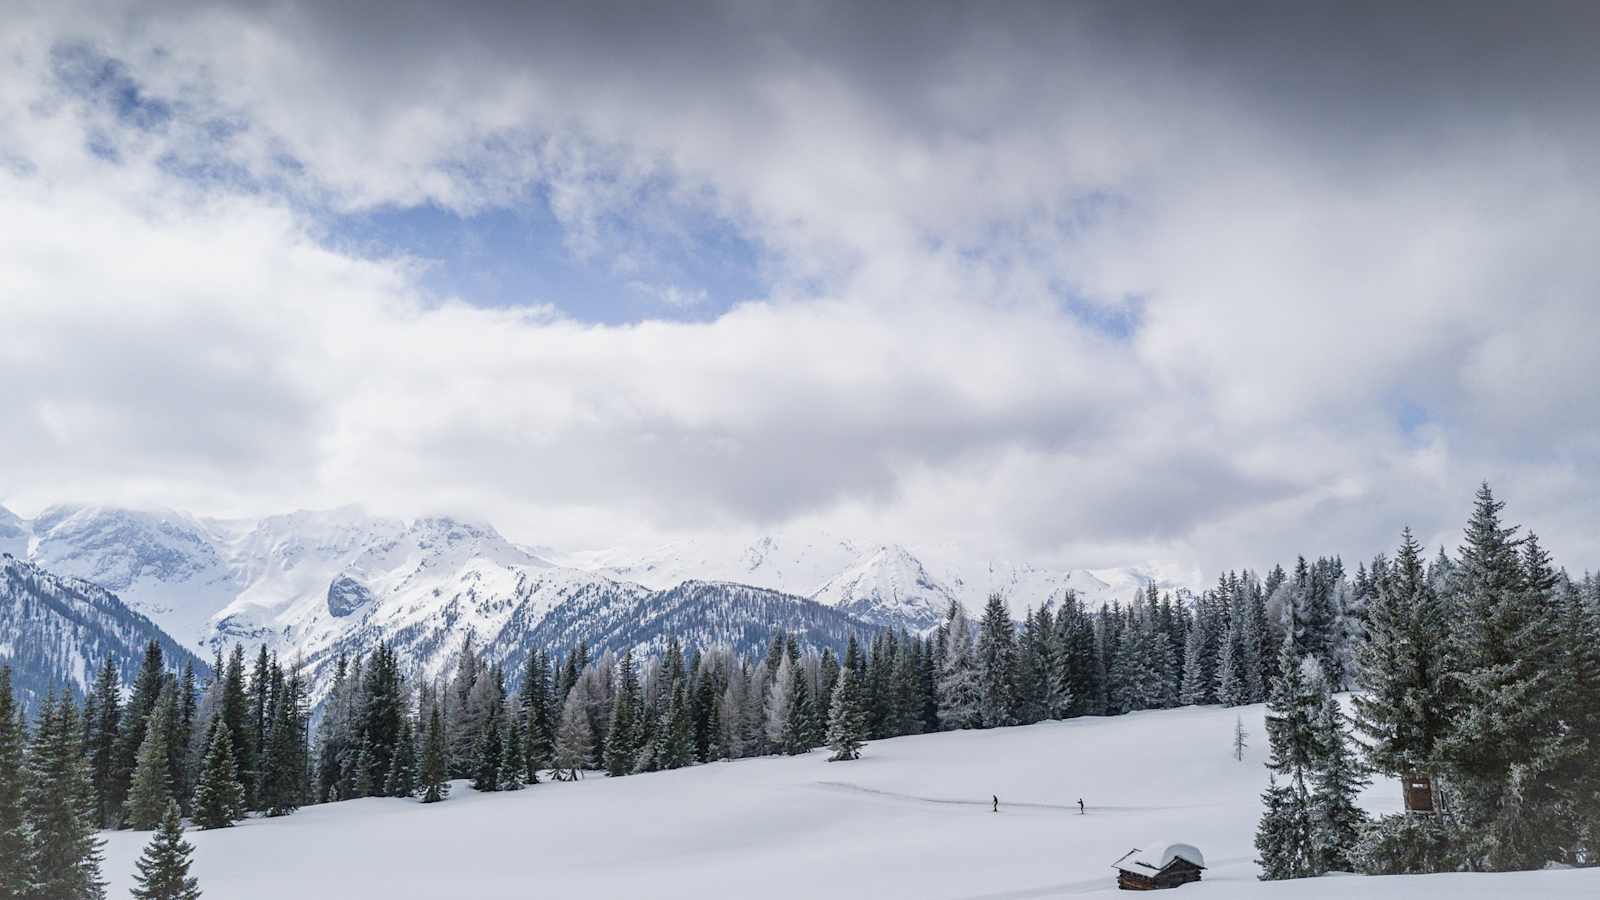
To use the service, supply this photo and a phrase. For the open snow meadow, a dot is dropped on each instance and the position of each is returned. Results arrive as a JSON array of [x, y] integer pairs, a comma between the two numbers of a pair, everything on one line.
[[912, 817]]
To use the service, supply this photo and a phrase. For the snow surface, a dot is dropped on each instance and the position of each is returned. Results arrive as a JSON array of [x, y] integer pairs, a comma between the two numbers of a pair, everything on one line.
[[910, 818]]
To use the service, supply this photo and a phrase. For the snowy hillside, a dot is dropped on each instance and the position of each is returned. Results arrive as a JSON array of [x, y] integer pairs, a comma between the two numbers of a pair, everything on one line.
[[57, 631], [911, 818]]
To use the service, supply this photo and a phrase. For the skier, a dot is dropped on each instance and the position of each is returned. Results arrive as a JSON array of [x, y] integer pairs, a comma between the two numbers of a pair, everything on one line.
[[1080, 806], [996, 802]]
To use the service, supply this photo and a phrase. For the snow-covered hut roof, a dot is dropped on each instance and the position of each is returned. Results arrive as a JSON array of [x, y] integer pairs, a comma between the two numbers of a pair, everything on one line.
[[1182, 851], [1139, 863]]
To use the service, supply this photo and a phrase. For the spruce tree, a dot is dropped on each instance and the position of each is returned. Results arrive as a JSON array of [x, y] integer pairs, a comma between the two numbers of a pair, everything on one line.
[[234, 713], [163, 869], [959, 693], [1239, 736], [1337, 820], [188, 708], [514, 764], [1401, 707], [402, 778], [491, 746], [1195, 689], [152, 779], [14, 873], [146, 690], [846, 723], [435, 767], [996, 664], [540, 720], [363, 784], [1284, 836], [219, 796], [620, 748], [1505, 744], [63, 850], [104, 711], [797, 729]]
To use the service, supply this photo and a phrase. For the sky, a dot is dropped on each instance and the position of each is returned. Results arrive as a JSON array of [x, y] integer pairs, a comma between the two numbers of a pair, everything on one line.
[[1083, 284]]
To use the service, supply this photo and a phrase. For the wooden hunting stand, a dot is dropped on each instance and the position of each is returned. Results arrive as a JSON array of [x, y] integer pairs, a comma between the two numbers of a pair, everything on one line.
[[1418, 788]]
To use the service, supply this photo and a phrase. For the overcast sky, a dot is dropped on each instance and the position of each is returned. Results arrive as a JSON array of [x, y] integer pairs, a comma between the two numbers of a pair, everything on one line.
[[1079, 284]]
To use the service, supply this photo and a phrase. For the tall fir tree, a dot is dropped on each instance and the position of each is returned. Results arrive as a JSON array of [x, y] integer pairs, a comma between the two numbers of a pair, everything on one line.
[[435, 764], [1505, 741], [1401, 708], [1337, 818], [1284, 835], [846, 721], [63, 849], [996, 652], [514, 760], [146, 690], [14, 871], [540, 721], [620, 749], [959, 692], [219, 795], [104, 711], [152, 777]]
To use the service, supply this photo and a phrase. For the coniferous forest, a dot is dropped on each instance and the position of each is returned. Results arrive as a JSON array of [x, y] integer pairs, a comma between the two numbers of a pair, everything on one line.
[[1479, 670]]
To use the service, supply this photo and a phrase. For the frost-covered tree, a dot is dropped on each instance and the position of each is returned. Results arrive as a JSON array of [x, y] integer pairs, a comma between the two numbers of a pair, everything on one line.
[[995, 657], [1402, 707], [574, 737], [1284, 835], [1240, 737], [846, 721], [1505, 747], [959, 693], [780, 698], [163, 868], [1336, 818]]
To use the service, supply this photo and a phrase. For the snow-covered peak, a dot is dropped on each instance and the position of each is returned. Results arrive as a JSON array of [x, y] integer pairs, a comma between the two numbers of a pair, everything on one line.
[[891, 586]]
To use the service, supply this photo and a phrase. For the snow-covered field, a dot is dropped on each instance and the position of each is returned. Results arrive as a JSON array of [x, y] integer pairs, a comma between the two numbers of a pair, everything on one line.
[[910, 819]]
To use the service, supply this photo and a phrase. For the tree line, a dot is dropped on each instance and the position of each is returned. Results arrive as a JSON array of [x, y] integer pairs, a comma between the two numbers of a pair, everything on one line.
[[1479, 676]]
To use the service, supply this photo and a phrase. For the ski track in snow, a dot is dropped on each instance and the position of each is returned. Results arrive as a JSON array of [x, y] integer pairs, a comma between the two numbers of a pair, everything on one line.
[[1005, 804]]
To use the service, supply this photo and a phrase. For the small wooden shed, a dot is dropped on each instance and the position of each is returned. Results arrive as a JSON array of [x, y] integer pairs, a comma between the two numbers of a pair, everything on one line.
[[1178, 865]]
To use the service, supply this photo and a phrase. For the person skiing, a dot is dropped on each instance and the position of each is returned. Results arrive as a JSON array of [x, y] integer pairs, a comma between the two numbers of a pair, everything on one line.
[[1080, 806], [996, 802]]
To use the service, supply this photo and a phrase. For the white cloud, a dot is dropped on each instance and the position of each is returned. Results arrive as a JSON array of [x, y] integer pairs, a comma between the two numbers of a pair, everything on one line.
[[1308, 267]]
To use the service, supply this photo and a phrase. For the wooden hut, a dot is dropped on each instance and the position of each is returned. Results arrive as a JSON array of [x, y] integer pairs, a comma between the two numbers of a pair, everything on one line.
[[1178, 865]]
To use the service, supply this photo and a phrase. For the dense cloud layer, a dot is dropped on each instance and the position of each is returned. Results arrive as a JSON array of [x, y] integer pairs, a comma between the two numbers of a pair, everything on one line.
[[1084, 286]]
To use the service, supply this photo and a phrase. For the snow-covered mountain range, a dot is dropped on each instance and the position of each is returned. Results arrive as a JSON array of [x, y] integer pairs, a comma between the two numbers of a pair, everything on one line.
[[312, 583]]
